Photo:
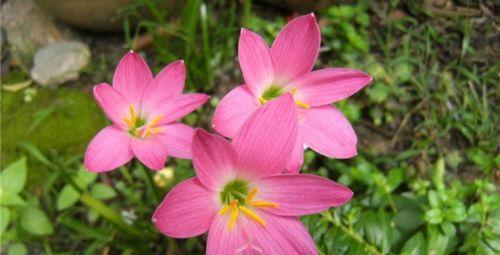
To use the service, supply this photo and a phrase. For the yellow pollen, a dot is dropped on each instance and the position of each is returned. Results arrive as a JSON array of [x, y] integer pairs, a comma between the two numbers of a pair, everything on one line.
[[262, 100], [252, 215], [294, 90]]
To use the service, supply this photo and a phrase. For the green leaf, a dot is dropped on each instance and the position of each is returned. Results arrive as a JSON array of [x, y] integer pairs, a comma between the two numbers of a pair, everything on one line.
[[17, 249], [408, 220], [438, 172], [437, 242], [494, 243], [13, 177], [85, 178], [482, 159], [4, 219], [448, 228], [102, 191], [457, 213], [434, 216], [67, 197], [395, 177], [9, 198], [434, 199], [34, 221], [35, 152], [484, 249], [378, 92], [415, 245]]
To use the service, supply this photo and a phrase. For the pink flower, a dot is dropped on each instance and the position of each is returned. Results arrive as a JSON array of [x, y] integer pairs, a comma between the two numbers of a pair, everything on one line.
[[286, 67], [144, 111], [240, 195]]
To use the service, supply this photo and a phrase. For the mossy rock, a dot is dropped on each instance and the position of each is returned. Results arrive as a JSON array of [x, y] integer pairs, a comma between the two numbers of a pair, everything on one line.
[[61, 121]]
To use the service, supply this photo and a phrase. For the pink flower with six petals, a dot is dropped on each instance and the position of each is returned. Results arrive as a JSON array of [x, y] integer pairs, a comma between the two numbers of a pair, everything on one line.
[[144, 111], [286, 68], [240, 195]]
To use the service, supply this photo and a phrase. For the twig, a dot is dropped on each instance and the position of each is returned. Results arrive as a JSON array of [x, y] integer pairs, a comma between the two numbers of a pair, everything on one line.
[[405, 121]]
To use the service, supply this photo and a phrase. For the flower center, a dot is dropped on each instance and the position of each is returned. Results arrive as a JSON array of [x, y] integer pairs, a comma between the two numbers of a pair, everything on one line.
[[275, 91], [139, 127], [236, 199]]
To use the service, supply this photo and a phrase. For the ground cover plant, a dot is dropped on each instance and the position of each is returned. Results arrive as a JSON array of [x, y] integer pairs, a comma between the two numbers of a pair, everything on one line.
[[425, 179]]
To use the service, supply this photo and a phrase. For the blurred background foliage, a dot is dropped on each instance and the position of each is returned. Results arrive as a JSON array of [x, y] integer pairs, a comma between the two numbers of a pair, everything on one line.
[[425, 179]]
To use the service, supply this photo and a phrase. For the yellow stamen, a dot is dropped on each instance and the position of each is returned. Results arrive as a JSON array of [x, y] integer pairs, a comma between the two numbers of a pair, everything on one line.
[[156, 130], [127, 121], [263, 204], [133, 116], [235, 208], [233, 217], [302, 104], [132, 119], [252, 215], [262, 100], [224, 209], [154, 121], [251, 195], [298, 102]]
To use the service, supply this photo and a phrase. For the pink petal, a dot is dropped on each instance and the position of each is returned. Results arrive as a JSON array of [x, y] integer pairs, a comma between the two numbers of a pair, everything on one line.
[[177, 139], [301, 194], [109, 149], [233, 110], [186, 211], [222, 241], [112, 103], [296, 48], [265, 141], [177, 107], [297, 157], [132, 76], [327, 131], [214, 159], [329, 85], [281, 235], [150, 151], [168, 83], [255, 62]]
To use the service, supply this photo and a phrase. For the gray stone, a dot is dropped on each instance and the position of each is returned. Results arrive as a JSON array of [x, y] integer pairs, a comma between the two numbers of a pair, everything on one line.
[[29, 28], [60, 62]]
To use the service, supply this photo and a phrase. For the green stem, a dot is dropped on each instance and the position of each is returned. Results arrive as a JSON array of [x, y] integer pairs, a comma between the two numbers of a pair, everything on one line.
[[206, 44], [391, 201], [150, 183], [124, 171], [95, 204], [110, 215], [247, 8]]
